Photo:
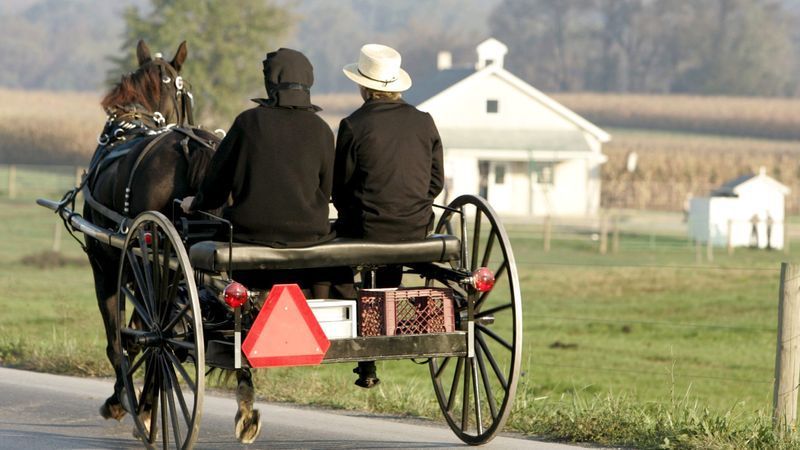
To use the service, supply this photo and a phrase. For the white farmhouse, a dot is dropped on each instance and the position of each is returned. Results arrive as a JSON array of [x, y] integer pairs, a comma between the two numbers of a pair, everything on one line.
[[524, 152], [745, 212]]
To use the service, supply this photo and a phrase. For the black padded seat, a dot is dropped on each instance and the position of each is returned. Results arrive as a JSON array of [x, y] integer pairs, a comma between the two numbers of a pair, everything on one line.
[[213, 256]]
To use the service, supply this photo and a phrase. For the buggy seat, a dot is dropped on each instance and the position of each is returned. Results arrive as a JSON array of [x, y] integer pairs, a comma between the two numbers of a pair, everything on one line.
[[213, 256]]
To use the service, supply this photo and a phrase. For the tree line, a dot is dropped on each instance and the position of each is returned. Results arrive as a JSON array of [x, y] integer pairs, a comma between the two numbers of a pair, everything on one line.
[[714, 47]]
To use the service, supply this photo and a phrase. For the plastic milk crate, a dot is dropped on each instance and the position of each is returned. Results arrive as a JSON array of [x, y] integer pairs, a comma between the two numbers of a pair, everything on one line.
[[388, 312], [335, 317]]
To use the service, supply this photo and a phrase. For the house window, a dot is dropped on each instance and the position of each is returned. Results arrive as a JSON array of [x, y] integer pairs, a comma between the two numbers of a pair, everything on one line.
[[544, 172], [499, 174], [491, 106], [489, 62]]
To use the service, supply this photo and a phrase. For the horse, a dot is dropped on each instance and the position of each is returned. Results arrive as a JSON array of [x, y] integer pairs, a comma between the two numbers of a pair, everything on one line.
[[146, 158]]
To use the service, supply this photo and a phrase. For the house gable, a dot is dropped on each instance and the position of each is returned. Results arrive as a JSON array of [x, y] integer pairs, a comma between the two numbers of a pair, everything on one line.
[[463, 104]]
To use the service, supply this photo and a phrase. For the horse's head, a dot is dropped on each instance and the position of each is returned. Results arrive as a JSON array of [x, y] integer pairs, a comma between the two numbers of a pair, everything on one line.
[[155, 86]]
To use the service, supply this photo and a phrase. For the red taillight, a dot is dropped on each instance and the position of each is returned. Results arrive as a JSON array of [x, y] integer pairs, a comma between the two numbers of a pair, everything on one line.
[[483, 279], [235, 294], [148, 238]]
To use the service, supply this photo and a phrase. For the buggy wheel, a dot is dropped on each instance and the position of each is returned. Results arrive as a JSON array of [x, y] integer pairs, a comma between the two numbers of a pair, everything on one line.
[[161, 334], [476, 393]]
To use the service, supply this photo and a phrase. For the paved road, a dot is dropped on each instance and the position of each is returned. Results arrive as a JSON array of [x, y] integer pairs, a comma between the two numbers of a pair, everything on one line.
[[41, 411]]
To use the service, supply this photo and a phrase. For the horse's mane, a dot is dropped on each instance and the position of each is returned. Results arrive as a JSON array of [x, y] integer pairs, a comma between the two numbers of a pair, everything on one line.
[[142, 87]]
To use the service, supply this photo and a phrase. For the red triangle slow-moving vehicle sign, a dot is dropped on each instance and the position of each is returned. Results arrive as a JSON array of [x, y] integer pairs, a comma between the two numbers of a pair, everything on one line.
[[285, 333]]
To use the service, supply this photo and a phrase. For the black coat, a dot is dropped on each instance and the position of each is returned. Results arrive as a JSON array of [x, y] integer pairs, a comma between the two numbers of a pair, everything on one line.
[[277, 164], [388, 170]]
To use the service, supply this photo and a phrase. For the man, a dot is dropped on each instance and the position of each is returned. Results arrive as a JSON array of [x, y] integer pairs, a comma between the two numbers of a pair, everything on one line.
[[388, 165], [276, 164]]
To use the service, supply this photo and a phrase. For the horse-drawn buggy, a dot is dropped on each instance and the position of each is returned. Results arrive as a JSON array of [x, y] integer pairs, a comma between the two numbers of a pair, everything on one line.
[[172, 306]]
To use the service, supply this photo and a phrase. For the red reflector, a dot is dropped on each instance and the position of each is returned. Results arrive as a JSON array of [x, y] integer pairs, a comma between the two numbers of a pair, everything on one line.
[[483, 279], [148, 238], [235, 294]]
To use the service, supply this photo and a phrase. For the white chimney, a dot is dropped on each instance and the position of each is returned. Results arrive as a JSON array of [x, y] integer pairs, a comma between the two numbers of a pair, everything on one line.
[[490, 52], [444, 60]]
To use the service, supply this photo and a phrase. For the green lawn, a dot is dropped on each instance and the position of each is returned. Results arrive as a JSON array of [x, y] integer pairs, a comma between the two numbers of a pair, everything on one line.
[[646, 326]]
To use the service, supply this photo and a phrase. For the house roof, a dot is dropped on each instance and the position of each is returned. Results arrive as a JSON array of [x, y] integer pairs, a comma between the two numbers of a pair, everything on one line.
[[734, 187], [428, 87]]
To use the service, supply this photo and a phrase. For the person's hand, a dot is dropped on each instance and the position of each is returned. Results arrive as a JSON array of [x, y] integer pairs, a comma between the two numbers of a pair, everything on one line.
[[186, 204]]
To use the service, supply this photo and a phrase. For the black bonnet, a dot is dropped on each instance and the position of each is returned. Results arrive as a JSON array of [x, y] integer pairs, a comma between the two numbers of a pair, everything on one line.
[[288, 77]]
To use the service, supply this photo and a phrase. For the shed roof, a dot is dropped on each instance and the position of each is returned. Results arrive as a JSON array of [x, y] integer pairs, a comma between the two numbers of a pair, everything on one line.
[[734, 187]]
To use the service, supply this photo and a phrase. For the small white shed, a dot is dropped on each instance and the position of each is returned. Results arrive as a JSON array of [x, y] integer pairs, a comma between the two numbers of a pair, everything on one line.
[[527, 154], [748, 211]]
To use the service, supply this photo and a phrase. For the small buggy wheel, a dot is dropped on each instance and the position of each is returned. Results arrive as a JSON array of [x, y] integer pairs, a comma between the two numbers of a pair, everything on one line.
[[161, 334], [476, 393]]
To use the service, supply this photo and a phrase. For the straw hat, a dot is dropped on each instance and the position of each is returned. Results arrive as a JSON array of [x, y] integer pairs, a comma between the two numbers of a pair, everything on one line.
[[378, 68]]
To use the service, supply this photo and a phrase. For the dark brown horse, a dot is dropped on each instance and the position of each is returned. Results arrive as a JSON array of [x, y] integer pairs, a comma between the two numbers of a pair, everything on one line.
[[141, 164]]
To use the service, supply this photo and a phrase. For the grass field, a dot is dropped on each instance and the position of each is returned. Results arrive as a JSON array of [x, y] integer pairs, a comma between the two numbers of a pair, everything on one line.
[[630, 349]]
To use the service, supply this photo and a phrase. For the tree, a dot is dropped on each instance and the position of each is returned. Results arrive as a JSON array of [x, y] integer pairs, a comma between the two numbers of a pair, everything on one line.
[[227, 42]]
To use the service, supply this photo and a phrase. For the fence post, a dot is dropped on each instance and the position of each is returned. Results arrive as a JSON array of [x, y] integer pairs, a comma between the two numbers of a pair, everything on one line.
[[730, 237], [603, 234], [615, 235], [709, 249], [787, 352], [698, 256], [12, 181], [547, 232], [57, 237]]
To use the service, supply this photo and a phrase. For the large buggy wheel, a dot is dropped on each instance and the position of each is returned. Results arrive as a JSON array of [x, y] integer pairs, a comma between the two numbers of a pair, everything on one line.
[[476, 393], [161, 334]]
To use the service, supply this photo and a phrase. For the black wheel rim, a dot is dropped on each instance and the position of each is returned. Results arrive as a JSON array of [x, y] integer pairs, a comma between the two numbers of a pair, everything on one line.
[[493, 372], [161, 334]]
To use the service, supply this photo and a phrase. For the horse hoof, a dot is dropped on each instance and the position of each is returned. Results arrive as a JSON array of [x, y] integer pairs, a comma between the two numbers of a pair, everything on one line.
[[112, 410], [144, 434], [248, 429]]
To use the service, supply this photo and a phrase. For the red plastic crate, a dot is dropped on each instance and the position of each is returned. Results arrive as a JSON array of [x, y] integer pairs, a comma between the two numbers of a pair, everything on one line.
[[389, 312]]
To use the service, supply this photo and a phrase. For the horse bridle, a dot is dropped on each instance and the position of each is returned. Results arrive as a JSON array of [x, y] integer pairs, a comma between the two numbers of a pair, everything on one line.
[[182, 101]]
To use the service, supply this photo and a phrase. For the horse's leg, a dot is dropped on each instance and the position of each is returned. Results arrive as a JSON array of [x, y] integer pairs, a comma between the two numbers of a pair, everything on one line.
[[247, 424], [105, 289]]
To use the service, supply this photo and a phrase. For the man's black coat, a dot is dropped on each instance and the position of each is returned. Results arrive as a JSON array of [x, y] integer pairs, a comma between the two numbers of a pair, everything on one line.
[[388, 170], [277, 164]]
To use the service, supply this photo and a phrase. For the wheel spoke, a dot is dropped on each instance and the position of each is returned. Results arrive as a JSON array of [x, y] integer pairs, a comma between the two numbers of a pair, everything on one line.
[[497, 371], [147, 271], [147, 385], [181, 344], [441, 368], [145, 354], [138, 307], [486, 384], [177, 317], [185, 375], [138, 277], [178, 391], [491, 311], [173, 414], [454, 386], [487, 253], [494, 336], [164, 424], [476, 238], [165, 271]]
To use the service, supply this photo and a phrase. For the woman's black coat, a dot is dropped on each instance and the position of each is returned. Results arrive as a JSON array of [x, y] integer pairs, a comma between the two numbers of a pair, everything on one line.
[[277, 165], [388, 170]]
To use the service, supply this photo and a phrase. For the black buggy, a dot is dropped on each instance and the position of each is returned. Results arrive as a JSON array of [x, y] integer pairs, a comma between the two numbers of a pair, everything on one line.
[[180, 314]]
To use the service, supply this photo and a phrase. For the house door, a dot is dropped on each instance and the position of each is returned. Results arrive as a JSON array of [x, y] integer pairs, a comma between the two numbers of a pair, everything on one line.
[[500, 192]]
